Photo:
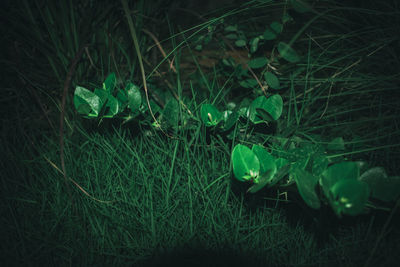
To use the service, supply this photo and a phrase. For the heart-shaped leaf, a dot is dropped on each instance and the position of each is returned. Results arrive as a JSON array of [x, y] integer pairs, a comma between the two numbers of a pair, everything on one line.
[[86, 102], [272, 105], [246, 166], [210, 115]]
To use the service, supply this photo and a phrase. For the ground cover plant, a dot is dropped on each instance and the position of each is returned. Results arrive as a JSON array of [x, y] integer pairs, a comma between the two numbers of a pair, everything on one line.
[[259, 133]]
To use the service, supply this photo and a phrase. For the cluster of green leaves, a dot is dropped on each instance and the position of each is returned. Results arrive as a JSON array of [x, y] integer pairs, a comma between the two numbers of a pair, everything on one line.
[[260, 62], [108, 101], [346, 186]]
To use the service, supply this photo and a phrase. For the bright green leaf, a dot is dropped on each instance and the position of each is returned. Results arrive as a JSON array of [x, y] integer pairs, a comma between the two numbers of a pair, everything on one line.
[[246, 165], [210, 115], [86, 102], [134, 97], [267, 161], [262, 181], [110, 83]]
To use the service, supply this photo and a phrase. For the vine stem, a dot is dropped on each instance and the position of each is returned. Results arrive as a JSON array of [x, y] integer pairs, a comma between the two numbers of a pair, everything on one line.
[[67, 84], [139, 55]]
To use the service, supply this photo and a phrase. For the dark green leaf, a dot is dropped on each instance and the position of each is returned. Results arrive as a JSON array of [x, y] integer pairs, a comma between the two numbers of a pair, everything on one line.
[[306, 183], [272, 80], [288, 53], [349, 196], [258, 62]]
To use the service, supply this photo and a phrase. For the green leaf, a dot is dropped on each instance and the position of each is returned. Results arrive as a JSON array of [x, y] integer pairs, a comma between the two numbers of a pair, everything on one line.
[[122, 99], [272, 105], [248, 83], [320, 164], [306, 183], [254, 44], [240, 43], [346, 170], [210, 115], [337, 144], [288, 53], [246, 165], [231, 120], [134, 97], [269, 35], [272, 80], [113, 107], [267, 161], [383, 187], [171, 112], [276, 27], [262, 182], [86, 102], [231, 28], [286, 18], [231, 36], [283, 167], [258, 62], [349, 196], [110, 83]]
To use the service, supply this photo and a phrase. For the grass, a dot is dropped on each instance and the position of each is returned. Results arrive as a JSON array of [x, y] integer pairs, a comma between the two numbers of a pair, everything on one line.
[[161, 198], [133, 196]]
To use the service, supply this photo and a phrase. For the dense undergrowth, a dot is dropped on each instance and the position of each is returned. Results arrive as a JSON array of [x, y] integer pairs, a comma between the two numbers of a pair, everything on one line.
[[137, 194]]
